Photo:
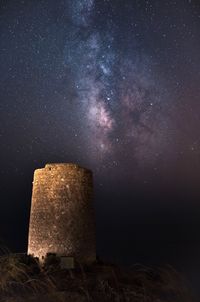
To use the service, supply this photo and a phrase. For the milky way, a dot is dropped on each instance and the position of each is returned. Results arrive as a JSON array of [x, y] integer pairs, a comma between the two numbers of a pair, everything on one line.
[[109, 84], [120, 97]]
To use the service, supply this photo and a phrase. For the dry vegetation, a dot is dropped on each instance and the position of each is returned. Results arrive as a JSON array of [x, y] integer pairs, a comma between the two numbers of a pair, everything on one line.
[[21, 279]]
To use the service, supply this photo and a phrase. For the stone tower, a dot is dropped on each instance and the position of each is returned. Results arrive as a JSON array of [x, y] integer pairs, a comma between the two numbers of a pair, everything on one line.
[[62, 217]]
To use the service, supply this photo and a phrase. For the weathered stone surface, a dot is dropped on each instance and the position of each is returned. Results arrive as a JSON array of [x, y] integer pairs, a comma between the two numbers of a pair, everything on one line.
[[62, 217]]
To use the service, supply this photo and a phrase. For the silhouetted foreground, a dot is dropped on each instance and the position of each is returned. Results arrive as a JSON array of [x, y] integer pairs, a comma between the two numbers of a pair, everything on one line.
[[21, 279]]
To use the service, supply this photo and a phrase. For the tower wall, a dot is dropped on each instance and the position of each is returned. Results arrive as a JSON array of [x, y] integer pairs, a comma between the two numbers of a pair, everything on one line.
[[62, 217]]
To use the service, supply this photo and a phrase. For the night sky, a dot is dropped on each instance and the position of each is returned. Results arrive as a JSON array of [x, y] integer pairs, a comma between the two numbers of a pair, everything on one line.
[[113, 86]]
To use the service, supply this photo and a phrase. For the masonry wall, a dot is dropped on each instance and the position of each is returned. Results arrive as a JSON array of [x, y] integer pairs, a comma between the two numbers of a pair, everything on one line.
[[62, 216]]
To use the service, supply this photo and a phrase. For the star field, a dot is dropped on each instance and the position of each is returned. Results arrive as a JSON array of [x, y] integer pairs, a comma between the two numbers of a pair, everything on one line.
[[111, 85], [100, 82]]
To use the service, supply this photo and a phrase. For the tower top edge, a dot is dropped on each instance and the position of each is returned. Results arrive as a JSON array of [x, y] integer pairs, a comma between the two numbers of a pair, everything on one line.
[[63, 165]]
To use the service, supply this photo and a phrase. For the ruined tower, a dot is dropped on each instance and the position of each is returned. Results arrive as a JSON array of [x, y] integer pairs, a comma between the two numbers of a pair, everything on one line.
[[62, 217]]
